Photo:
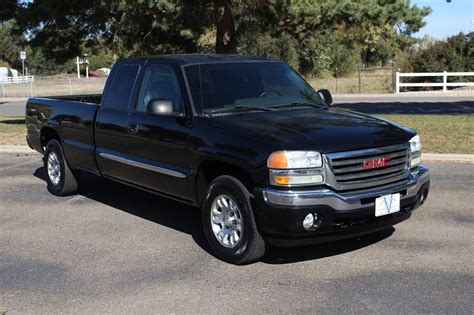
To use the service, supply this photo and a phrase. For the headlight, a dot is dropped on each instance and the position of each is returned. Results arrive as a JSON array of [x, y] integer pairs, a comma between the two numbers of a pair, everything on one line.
[[294, 159], [415, 144], [295, 168], [415, 151]]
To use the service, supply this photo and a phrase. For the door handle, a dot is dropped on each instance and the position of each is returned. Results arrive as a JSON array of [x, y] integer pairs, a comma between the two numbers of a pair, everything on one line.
[[132, 128]]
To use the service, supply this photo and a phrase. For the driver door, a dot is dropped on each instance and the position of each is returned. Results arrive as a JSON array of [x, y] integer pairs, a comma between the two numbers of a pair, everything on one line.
[[157, 146]]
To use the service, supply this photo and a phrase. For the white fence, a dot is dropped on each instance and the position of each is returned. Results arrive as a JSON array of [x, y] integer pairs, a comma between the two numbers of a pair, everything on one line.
[[443, 84], [19, 79], [50, 86]]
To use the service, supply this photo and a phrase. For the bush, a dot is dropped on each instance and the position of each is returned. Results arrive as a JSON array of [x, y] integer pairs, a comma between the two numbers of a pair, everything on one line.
[[101, 59], [456, 54]]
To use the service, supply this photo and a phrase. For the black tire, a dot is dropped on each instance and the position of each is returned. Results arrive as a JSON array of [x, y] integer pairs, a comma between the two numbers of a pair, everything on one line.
[[251, 246], [68, 179]]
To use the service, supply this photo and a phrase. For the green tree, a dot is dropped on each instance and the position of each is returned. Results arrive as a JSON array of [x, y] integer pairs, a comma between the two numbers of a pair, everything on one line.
[[127, 27], [7, 10], [10, 45], [315, 36]]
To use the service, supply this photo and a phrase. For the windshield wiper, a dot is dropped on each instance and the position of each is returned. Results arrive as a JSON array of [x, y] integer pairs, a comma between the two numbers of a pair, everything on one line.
[[240, 108], [299, 104]]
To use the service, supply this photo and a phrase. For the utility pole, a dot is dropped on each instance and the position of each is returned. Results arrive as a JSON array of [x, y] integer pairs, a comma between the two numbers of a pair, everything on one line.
[[78, 67], [359, 78], [86, 61], [394, 77], [23, 58]]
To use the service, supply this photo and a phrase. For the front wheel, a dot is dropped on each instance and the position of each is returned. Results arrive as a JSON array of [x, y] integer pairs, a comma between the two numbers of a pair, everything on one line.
[[229, 222], [62, 181]]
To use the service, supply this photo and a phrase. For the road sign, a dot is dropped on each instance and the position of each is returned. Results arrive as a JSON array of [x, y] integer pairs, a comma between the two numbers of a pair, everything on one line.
[[22, 55]]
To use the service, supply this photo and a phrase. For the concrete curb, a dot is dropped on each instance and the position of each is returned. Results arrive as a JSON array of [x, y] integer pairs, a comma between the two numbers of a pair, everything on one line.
[[18, 149], [426, 157], [447, 158], [440, 94]]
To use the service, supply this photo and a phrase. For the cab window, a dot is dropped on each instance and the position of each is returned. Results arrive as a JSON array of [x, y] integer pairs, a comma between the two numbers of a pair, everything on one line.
[[159, 82]]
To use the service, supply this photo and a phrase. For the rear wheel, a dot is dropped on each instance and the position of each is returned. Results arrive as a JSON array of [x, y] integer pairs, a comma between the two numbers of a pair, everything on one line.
[[62, 181], [229, 222]]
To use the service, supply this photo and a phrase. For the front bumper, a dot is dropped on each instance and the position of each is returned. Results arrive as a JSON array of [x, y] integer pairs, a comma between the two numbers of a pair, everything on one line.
[[344, 215]]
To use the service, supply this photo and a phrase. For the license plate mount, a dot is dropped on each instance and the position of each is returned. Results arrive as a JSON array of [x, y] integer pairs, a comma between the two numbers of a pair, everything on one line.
[[387, 204]]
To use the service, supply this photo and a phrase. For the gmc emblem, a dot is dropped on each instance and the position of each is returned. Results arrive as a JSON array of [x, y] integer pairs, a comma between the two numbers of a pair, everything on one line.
[[376, 163]]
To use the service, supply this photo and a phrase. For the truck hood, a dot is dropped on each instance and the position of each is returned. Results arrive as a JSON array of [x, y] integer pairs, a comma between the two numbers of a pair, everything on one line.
[[323, 130]]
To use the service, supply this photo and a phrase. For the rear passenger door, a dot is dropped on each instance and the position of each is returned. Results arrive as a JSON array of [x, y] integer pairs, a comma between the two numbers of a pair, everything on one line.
[[157, 146], [112, 120]]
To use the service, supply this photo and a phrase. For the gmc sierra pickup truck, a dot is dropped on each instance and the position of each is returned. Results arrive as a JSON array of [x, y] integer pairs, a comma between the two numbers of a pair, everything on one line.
[[245, 139]]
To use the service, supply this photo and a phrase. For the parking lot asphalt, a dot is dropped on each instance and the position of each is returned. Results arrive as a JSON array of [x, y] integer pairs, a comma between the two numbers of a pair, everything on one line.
[[406, 107], [116, 249], [10, 109], [437, 104]]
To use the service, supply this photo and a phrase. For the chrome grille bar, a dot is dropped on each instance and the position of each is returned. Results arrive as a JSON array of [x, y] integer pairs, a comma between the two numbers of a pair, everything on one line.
[[393, 162], [346, 169], [370, 174], [348, 161]]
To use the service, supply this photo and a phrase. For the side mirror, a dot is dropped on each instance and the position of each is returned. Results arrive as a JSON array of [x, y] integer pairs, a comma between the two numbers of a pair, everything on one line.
[[326, 96], [162, 107]]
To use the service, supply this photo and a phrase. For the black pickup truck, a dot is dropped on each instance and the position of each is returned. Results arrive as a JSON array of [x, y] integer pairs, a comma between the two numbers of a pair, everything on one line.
[[246, 139]]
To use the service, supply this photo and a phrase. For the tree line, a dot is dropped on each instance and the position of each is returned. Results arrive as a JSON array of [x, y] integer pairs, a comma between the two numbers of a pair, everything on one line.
[[317, 37], [455, 54]]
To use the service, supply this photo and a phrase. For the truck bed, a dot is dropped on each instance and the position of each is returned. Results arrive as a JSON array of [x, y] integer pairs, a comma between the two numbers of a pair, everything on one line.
[[70, 119], [86, 98]]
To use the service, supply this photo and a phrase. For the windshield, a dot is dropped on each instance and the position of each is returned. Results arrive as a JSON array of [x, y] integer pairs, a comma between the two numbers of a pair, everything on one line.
[[218, 86]]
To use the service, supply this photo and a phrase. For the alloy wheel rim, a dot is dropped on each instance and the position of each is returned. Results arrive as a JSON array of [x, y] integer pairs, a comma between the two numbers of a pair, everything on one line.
[[54, 168], [226, 221]]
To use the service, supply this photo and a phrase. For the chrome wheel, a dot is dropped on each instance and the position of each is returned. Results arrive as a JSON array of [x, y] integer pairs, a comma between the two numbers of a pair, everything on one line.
[[54, 168], [226, 221]]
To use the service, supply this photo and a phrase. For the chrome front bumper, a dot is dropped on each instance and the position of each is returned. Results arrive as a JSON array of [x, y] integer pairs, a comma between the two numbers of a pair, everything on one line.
[[345, 201]]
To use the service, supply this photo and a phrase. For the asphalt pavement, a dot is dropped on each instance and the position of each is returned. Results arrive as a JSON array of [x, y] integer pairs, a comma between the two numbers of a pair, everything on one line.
[[433, 104], [11, 109], [115, 249], [408, 104]]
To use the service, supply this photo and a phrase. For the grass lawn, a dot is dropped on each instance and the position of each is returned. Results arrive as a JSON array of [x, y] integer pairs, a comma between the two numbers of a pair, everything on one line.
[[439, 133], [12, 131]]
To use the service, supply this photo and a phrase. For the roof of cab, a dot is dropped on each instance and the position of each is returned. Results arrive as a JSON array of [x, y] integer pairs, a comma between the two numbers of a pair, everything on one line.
[[186, 59]]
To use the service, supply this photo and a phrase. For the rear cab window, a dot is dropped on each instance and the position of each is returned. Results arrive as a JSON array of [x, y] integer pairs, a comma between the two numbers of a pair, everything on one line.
[[122, 86]]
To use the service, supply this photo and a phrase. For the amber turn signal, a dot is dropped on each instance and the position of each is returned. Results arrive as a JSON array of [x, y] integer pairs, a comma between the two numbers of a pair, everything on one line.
[[282, 180], [278, 160]]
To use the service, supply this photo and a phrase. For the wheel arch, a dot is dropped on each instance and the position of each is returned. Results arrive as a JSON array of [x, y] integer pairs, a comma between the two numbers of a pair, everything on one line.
[[47, 134], [208, 170]]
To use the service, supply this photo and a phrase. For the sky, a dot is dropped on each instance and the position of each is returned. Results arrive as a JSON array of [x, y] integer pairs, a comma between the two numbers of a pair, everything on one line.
[[447, 19]]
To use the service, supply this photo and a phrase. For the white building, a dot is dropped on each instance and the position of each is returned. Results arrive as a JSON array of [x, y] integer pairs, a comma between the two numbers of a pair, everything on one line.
[[3, 73]]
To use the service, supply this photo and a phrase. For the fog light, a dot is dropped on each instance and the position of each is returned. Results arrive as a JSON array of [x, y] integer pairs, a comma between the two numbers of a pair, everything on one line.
[[312, 221], [308, 221]]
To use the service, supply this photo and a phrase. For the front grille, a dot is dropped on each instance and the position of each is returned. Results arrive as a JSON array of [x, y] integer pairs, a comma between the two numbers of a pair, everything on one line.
[[348, 173]]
